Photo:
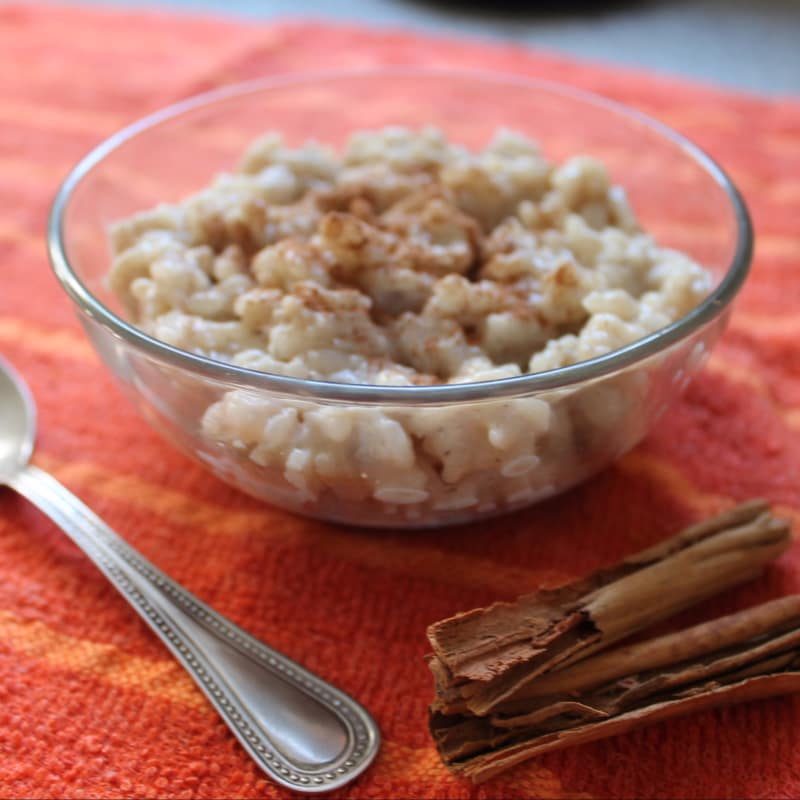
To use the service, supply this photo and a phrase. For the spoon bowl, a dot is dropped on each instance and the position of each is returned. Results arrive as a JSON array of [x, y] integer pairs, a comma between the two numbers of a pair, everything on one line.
[[17, 422]]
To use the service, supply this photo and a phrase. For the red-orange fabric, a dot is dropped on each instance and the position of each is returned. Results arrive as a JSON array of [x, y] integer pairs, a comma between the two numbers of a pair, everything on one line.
[[91, 704]]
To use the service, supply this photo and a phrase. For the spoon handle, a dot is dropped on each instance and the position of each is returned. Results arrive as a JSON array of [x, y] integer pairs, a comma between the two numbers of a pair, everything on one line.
[[306, 734]]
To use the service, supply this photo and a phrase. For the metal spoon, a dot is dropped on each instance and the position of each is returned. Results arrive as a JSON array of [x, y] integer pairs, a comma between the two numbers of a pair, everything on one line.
[[303, 732]]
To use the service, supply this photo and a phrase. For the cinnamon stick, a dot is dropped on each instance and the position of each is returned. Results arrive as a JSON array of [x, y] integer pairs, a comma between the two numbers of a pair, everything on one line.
[[752, 654], [518, 679], [485, 657]]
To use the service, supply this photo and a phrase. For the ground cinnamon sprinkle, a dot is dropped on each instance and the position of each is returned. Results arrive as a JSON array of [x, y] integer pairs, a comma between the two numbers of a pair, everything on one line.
[[406, 259]]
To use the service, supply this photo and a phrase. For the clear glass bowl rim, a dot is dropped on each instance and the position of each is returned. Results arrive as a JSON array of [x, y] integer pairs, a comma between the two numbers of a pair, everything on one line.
[[560, 378]]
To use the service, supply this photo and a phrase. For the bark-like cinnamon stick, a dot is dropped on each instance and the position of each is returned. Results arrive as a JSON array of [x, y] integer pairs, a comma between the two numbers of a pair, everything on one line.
[[517, 680], [755, 653], [485, 657]]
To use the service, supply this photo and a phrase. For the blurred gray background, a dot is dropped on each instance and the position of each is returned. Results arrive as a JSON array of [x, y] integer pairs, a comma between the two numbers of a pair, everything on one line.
[[745, 45]]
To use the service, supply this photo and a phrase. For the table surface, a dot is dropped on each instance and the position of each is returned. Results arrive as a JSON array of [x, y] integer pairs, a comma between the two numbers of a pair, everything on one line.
[[92, 706], [743, 44]]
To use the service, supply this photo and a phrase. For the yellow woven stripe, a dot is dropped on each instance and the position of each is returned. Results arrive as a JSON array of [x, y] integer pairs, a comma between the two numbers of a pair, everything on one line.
[[640, 464], [738, 373], [773, 246], [27, 173], [787, 191], [44, 117], [62, 342], [670, 478], [781, 145], [706, 115], [792, 419], [753, 381], [33, 171], [36, 640], [13, 234], [766, 324]]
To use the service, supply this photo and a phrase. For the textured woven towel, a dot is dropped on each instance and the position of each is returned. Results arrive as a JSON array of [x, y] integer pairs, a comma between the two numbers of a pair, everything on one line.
[[91, 705]]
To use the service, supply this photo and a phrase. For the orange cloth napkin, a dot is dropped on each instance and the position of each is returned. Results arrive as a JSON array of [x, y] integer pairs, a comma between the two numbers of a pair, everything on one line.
[[91, 704]]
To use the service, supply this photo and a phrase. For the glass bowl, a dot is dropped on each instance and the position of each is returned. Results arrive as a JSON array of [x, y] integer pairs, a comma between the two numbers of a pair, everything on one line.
[[365, 465]]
